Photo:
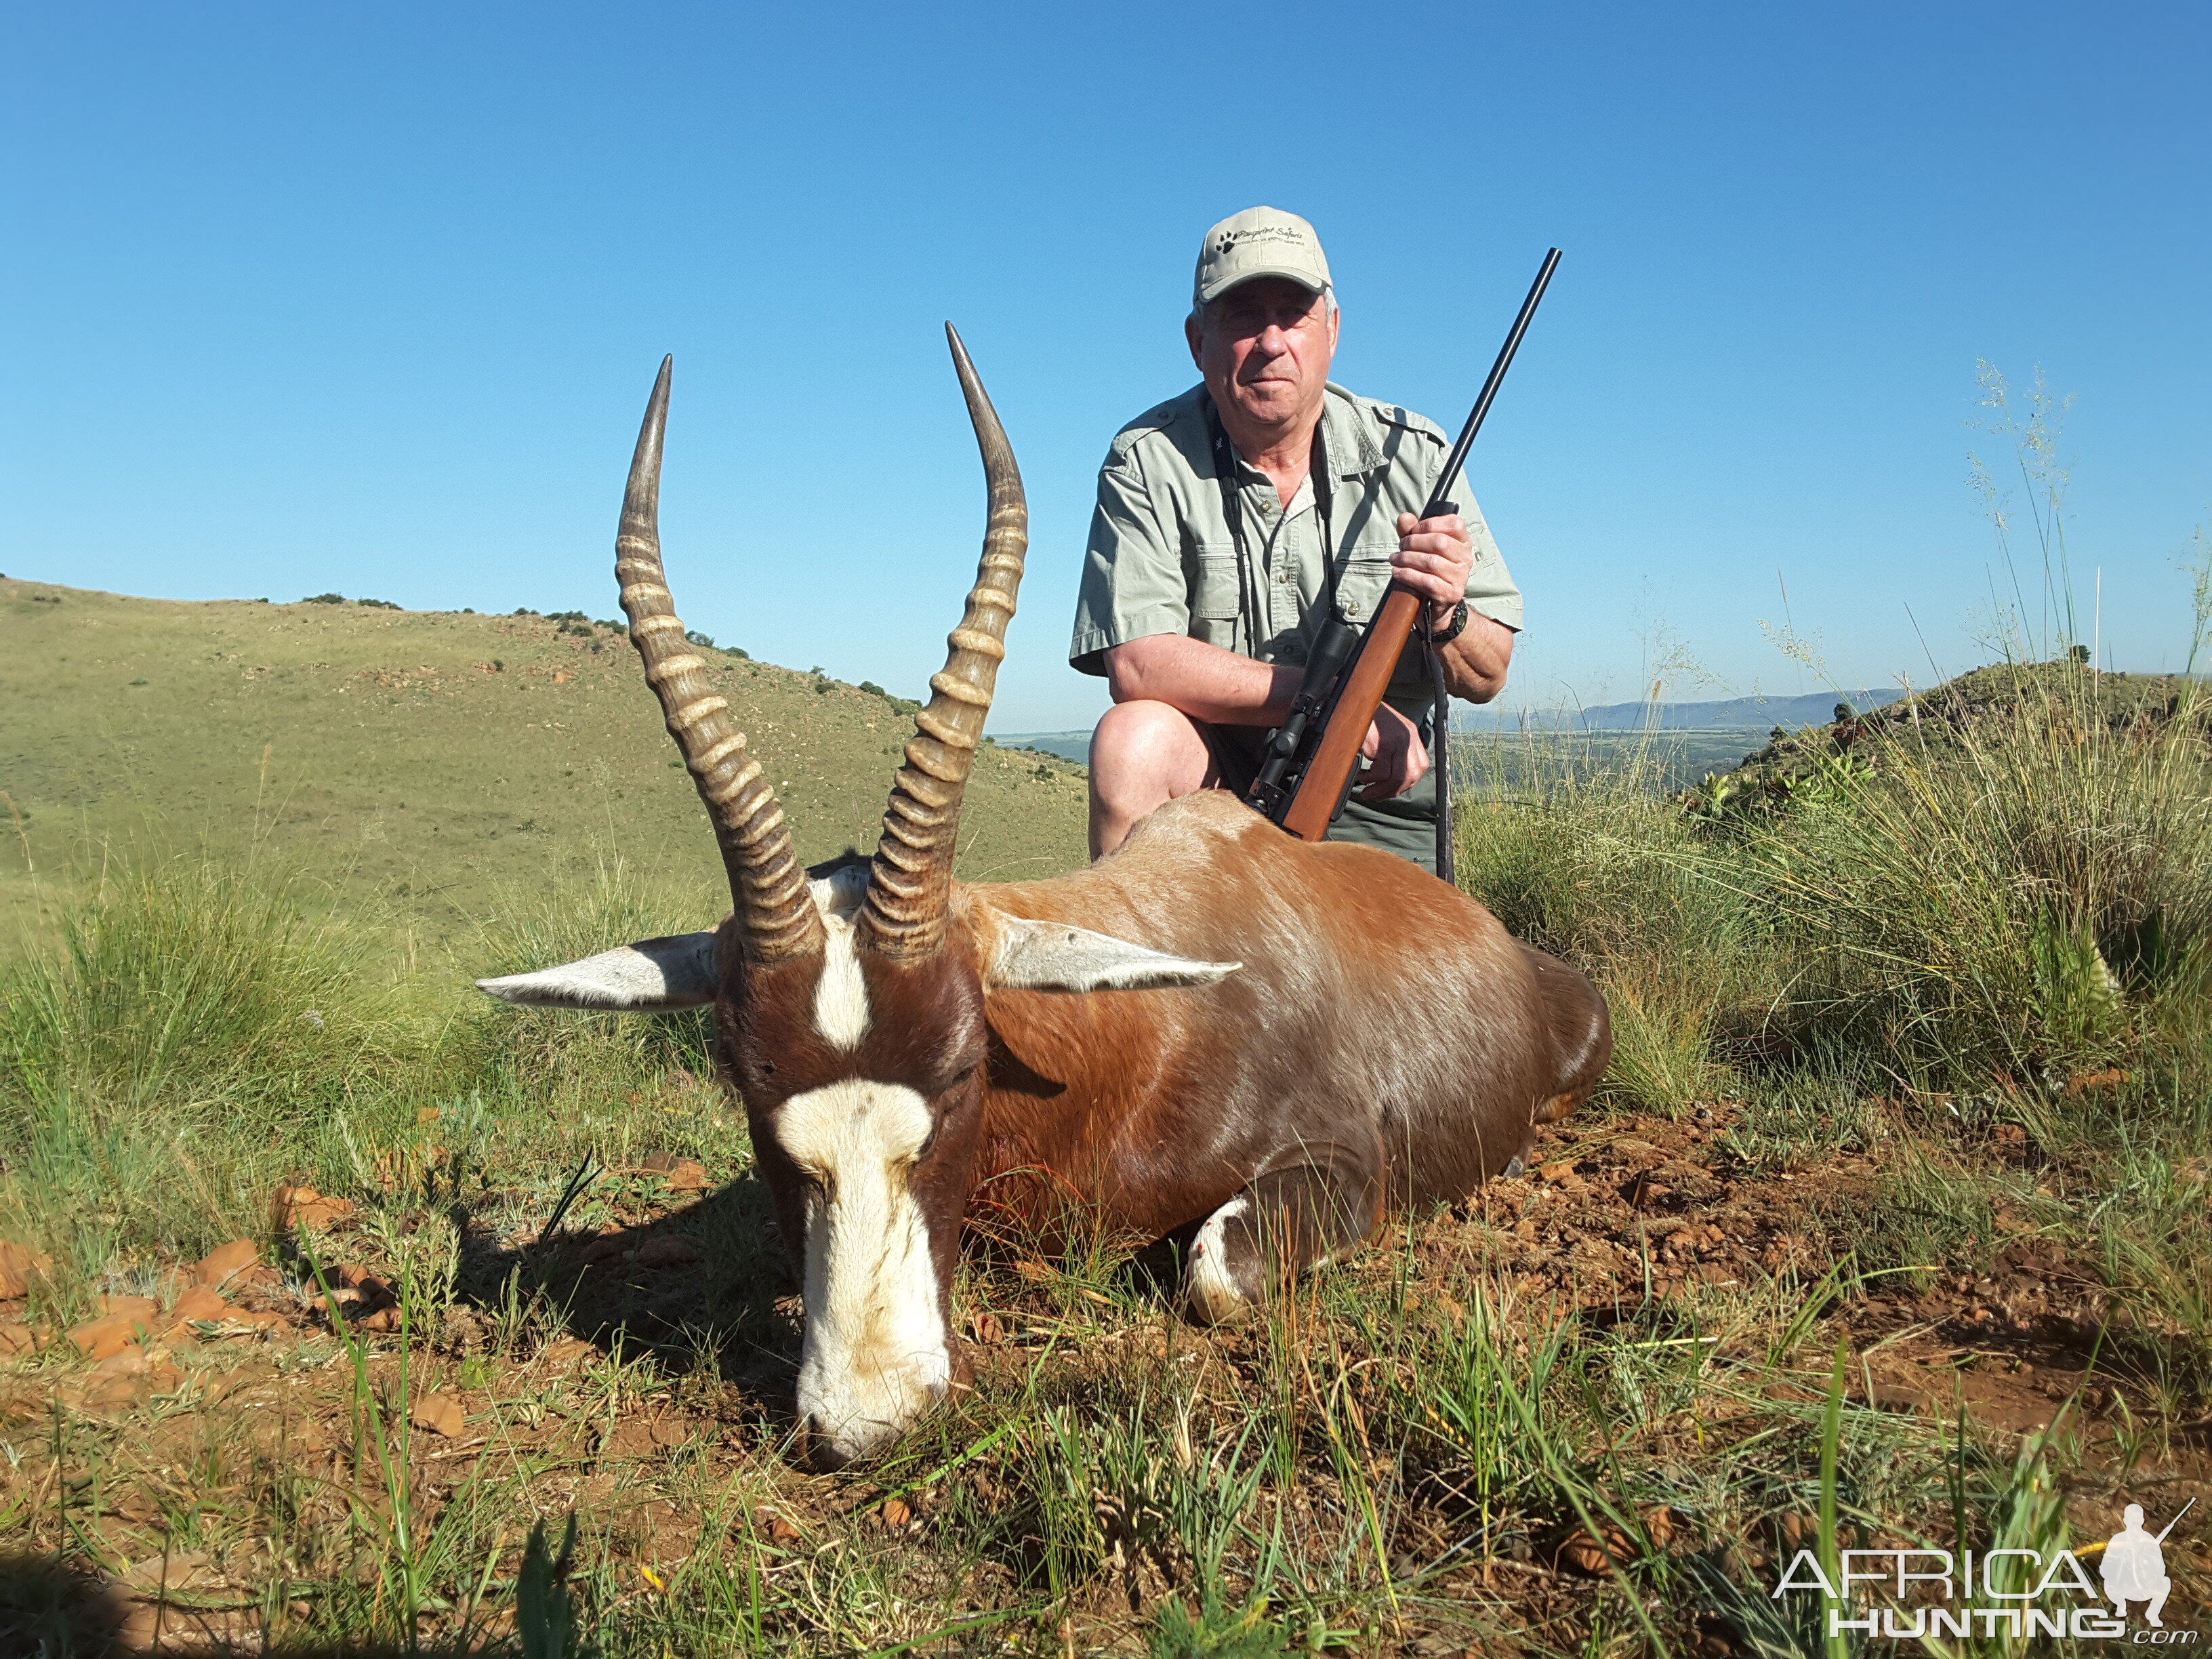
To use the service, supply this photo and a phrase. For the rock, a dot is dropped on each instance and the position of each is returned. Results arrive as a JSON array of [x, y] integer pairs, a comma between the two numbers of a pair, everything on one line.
[[607, 1247], [569, 1351], [1561, 1174], [668, 1250], [778, 1528], [682, 1175], [440, 1413], [896, 1514], [16, 1339], [219, 1264], [185, 1570], [134, 1307], [306, 1210], [99, 1338], [201, 1302], [19, 1266]]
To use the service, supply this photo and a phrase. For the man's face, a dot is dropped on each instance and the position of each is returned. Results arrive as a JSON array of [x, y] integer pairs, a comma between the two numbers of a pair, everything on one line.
[[1265, 349]]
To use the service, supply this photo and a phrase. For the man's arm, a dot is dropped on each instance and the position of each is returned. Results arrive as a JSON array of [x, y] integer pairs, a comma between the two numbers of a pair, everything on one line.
[[1476, 663], [1218, 686], [1202, 680]]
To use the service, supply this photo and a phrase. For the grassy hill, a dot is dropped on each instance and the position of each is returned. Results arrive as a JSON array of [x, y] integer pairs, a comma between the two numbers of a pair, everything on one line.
[[429, 759], [1893, 1201]]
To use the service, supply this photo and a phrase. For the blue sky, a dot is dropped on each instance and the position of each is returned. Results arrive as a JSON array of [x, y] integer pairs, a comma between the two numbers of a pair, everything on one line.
[[368, 299]]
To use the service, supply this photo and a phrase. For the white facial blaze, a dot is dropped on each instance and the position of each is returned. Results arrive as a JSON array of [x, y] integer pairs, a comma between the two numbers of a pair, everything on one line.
[[876, 1356], [841, 995]]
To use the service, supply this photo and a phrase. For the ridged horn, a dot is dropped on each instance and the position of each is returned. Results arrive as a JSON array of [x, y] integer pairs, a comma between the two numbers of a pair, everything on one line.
[[776, 919], [910, 882]]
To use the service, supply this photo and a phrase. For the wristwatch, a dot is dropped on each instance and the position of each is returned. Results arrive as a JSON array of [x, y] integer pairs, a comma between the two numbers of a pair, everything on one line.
[[1452, 630]]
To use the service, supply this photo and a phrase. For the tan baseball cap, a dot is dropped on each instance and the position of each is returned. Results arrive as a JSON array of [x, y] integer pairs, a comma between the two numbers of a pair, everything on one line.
[[1261, 241]]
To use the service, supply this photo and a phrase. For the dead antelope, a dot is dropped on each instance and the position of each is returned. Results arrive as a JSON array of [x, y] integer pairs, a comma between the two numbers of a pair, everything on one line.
[[1216, 1025]]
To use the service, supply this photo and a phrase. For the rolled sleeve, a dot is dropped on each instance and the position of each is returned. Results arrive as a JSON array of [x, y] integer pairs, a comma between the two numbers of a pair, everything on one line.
[[1490, 588], [1132, 576]]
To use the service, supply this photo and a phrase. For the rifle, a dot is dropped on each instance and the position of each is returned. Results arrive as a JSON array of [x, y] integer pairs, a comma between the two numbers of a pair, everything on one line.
[[1308, 766]]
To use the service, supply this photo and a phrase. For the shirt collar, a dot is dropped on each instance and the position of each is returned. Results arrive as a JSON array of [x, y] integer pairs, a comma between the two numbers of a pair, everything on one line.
[[1346, 437]]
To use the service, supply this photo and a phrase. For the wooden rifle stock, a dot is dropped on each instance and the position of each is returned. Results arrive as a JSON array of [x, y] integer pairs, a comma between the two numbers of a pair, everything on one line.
[[1307, 771], [1327, 776]]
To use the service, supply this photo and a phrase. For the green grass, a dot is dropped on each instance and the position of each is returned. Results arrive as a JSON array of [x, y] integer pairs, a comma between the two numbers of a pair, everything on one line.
[[1929, 1013], [1412, 1447]]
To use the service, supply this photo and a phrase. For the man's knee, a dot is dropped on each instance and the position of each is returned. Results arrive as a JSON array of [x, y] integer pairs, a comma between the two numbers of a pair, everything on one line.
[[1146, 748]]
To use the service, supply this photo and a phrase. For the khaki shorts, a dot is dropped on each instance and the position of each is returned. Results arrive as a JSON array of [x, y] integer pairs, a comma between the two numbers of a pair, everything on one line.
[[1406, 824]]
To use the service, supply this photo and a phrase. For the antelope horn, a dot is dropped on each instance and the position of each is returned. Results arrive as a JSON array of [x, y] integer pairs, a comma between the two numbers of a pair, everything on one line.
[[776, 919], [910, 883]]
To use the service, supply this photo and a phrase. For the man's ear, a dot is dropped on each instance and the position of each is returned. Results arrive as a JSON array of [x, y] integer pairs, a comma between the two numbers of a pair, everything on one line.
[[1051, 956], [651, 976]]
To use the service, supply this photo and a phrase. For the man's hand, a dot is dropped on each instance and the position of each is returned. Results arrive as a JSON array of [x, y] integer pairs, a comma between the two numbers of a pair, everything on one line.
[[1401, 760], [1435, 557]]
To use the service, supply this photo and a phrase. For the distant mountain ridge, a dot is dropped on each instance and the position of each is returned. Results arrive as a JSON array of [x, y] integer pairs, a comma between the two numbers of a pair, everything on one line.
[[1760, 714], [1724, 715]]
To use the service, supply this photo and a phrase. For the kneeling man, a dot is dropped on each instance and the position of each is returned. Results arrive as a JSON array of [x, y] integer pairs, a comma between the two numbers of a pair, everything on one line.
[[1234, 519]]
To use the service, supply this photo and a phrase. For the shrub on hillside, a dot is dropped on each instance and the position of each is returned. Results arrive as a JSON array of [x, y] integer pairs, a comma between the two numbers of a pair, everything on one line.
[[2023, 893]]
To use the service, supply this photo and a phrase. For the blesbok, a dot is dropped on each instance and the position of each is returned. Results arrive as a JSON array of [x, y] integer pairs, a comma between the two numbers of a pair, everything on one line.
[[1215, 1025]]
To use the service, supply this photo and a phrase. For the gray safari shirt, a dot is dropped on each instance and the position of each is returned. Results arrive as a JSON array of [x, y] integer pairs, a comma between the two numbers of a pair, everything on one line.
[[1161, 560]]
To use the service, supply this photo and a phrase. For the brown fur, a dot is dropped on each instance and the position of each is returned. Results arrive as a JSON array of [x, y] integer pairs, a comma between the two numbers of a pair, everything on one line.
[[1372, 995], [1382, 1024]]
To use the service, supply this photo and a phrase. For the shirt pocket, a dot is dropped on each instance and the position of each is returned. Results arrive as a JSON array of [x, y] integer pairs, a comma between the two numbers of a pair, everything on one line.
[[1214, 587], [1360, 588]]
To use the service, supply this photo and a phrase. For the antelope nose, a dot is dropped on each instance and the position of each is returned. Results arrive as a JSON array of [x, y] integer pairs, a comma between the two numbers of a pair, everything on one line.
[[821, 1455]]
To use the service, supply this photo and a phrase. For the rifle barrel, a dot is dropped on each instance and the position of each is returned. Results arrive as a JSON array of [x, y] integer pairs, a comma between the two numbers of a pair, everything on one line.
[[2176, 1522], [1457, 458]]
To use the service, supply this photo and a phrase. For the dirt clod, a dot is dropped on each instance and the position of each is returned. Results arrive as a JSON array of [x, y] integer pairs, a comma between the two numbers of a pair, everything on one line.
[[19, 1266], [440, 1413], [99, 1338], [668, 1250], [682, 1175], [219, 1264]]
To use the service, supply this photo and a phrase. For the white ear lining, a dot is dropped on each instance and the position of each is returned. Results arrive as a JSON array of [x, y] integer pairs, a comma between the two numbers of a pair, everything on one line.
[[1052, 955], [653, 975]]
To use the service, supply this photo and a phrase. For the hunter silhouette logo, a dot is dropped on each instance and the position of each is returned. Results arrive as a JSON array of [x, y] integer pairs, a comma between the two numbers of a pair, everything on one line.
[[2134, 1567], [2012, 1592]]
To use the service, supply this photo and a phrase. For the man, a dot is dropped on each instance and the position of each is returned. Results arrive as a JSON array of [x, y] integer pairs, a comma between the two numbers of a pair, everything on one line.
[[1232, 517]]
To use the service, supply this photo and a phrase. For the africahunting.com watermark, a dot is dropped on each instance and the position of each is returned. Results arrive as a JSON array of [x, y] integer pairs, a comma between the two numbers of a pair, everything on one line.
[[2118, 1594]]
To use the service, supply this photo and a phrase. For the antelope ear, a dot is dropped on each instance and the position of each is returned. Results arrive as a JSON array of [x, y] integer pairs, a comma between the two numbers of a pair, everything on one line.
[[651, 976], [1051, 956]]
